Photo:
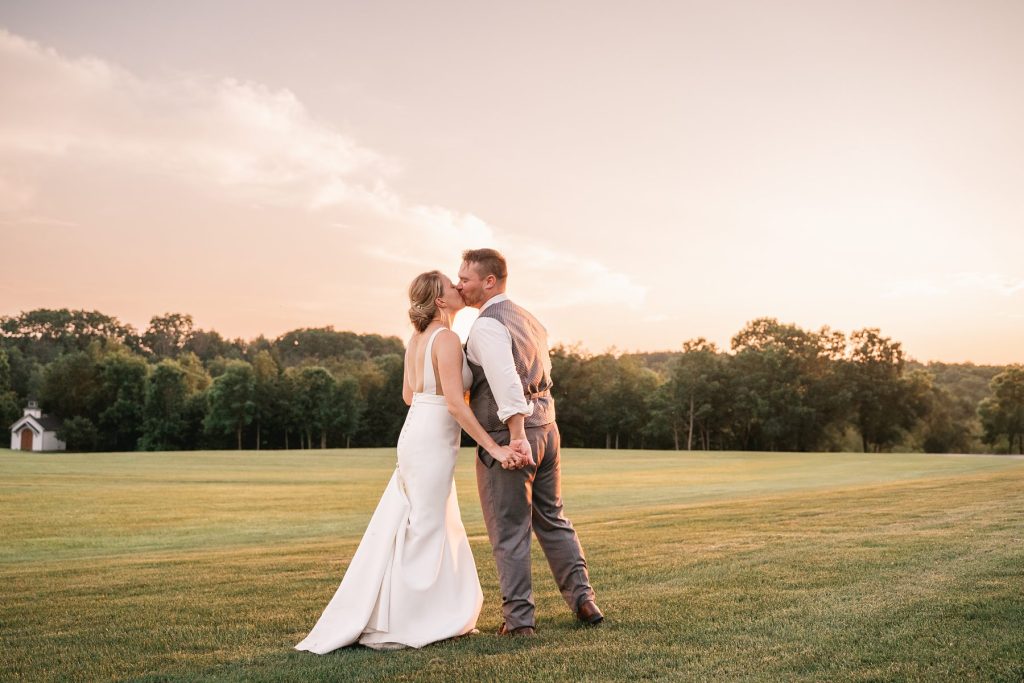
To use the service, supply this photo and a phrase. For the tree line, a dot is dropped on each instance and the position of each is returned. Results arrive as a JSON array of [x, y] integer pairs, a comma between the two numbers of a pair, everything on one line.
[[173, 387], [777, 388], [783, 388]]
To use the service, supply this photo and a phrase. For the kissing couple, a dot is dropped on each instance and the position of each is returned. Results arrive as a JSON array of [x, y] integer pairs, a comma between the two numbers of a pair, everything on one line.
[[412, 580]]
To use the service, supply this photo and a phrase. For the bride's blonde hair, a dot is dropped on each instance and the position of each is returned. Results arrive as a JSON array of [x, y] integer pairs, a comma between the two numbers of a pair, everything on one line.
[[425, 290]]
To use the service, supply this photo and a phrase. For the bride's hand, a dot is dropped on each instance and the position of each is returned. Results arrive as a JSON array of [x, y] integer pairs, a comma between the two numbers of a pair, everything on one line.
[[506, 456]]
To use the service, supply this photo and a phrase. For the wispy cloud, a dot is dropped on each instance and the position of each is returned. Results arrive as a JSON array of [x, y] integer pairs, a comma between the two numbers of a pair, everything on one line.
[[14, 195], [919, 287], [247, 142], [11, 218], [228, 133], [996, 283], [963, 282]]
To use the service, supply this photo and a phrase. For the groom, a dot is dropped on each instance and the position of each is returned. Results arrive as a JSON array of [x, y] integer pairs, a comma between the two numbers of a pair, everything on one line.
[[511, 397]]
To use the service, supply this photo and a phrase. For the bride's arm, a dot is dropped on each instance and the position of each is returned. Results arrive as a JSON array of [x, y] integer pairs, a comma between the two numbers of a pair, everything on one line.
[[407, 372], [448, 351]]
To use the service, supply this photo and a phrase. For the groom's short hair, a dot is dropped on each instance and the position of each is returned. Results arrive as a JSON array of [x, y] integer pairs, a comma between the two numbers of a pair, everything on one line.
[[487, 262]]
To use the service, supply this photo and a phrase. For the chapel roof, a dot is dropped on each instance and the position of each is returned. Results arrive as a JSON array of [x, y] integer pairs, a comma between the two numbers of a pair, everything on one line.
[[49, 423]]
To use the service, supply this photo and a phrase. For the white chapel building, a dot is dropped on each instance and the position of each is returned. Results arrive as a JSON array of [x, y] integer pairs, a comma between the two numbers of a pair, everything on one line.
[[36, 432]]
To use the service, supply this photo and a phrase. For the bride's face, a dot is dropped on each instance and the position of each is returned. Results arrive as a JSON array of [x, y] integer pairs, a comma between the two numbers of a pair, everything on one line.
[[451, 298]]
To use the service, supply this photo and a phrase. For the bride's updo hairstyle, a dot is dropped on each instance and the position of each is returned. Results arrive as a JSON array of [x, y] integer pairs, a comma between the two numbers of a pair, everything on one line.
[[424, 292]]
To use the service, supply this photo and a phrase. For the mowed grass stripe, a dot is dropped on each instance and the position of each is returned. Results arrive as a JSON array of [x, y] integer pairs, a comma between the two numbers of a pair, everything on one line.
[[909, 577], [63, 506]]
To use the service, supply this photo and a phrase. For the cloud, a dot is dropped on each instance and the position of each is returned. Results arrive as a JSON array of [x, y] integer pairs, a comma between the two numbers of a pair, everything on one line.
[[919, 287], [573, 280], [30, 220], [995, 283], [543, 277], [228, 133], [968, 282], [244, 142], [14, 195]]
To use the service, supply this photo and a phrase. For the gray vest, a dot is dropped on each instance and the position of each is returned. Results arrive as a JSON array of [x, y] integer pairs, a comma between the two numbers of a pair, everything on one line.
[[530, 353]]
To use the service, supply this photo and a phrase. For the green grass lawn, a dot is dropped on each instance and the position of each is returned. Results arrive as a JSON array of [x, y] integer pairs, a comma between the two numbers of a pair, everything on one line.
[[751, 566]]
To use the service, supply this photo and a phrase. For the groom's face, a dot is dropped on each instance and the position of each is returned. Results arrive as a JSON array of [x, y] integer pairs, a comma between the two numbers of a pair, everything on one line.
[[471, 285]]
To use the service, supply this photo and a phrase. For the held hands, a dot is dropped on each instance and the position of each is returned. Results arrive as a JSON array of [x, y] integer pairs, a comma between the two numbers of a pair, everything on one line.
[[523, 455], [506, 456], [515, 456]]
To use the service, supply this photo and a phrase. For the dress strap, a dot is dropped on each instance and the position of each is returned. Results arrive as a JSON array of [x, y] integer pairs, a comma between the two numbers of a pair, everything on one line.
[[429, 386]]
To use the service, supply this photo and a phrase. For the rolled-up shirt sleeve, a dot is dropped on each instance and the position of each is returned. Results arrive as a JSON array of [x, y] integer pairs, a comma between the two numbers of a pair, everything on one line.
[[490, 347]]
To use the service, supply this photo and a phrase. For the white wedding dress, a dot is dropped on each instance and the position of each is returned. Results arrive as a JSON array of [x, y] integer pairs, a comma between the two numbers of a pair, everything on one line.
[[412, 580]]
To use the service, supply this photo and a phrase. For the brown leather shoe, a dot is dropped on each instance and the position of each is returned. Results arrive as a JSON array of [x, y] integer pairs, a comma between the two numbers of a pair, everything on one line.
[[588, 613], [521, 631]]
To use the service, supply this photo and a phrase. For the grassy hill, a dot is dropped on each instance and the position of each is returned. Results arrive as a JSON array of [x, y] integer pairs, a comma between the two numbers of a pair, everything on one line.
[[165, 566]]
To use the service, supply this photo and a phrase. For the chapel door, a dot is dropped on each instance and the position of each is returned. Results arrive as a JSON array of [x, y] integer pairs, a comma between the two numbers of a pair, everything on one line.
[[26, 439]]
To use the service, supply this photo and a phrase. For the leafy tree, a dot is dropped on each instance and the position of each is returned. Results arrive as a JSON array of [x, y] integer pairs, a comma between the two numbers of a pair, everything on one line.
[[377, 346], [79, 434], [383, 410], [603, 409], [260, 343], [121, 395], [692, 389], [196, 376], [964, 380], [885, 404], [26, 373], [658, 361], [209, 344], [601, 401], [232, 400], [317, 345], [315, 394], [195, 436], [780, 387], [266, 376], [10, 410], [165, 425], [943, 427], [287, 410], [632, 386], [788, 395], [608, 401], [71, 385], [347, 409], [665, 425], [1002, 414], [167, 334], [574, 390], [5, 371], [106, 385], [45, 334]]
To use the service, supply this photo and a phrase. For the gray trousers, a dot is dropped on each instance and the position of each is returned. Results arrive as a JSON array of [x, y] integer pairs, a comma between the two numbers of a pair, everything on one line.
[[515, 502]]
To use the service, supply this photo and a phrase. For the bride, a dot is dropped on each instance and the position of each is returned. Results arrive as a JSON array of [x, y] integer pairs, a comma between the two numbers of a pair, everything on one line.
[[412, 580]]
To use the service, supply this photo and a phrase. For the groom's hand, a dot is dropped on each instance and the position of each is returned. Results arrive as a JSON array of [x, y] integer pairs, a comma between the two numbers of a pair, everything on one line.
[[523, 451]]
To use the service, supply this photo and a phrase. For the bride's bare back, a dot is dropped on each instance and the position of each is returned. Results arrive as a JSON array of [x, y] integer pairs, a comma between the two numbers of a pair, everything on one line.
[[415, 360]]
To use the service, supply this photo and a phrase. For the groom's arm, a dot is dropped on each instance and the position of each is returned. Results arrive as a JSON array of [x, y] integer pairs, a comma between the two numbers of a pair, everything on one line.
[[490, 347], [518, 441]]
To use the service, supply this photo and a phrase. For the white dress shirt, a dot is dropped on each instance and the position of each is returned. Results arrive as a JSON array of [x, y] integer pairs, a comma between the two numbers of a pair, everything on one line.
[[490, 346]]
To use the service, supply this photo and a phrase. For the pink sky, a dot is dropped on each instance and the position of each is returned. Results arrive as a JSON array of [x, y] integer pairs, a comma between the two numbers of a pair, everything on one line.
[[653, 171]]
